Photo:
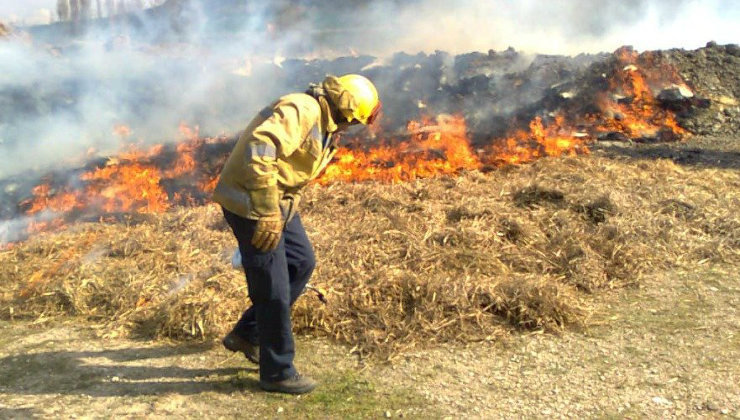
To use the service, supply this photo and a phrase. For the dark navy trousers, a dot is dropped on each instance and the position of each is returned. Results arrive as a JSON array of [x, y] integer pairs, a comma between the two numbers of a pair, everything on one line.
[[275, 279]]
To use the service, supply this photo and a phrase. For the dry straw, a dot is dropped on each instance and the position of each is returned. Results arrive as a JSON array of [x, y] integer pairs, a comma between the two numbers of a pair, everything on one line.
[[457, 258]]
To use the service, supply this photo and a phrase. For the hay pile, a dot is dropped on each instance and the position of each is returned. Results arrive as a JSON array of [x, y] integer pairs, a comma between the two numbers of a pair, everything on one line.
[[463, 258]]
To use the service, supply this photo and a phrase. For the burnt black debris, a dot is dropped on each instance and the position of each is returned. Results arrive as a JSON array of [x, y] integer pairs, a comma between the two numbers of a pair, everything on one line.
[[496, 92], [713, 73]]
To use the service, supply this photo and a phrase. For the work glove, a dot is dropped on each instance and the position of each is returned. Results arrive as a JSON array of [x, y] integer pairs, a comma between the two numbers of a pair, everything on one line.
[[266, 203], [267, 234]]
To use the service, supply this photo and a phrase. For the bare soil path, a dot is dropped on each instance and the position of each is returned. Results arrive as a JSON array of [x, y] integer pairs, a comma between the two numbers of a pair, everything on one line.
[[666, 350]]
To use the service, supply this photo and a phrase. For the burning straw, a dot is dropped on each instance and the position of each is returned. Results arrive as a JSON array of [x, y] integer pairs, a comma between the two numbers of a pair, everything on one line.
[[434, 260]]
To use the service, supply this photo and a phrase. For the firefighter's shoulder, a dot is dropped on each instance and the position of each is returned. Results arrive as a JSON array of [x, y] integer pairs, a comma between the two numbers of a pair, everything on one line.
[[308, 107]]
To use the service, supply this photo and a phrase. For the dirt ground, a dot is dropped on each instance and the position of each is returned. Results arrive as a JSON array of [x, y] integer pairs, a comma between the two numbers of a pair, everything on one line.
[[666, 349]]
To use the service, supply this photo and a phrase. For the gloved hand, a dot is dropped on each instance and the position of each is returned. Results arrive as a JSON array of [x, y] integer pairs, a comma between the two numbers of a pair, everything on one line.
[[267, 234]]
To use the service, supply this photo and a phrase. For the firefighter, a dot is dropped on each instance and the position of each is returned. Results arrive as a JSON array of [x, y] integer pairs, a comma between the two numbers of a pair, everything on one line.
[[285, 146]]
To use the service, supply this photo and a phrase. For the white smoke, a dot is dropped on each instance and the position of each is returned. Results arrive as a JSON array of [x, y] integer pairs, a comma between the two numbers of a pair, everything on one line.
[[552, 27], [213, 63], [16, 229]]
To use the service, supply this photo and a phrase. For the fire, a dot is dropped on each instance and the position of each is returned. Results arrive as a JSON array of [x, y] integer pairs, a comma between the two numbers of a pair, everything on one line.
[[149, 180], [525, 146], [442, 147], [133, 182], [434, 148], [185, 162], [125, 188], [636, 112], [47, 200], [154, 179]]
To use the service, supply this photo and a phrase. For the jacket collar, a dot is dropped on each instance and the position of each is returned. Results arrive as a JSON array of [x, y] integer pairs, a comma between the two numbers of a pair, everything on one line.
[[328, 125]]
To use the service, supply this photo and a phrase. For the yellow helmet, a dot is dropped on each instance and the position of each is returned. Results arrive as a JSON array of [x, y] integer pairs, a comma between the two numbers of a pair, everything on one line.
[[365, 95]]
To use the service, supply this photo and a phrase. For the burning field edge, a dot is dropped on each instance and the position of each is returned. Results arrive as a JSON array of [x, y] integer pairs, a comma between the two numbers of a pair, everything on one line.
[[625, 97], [452, 258]]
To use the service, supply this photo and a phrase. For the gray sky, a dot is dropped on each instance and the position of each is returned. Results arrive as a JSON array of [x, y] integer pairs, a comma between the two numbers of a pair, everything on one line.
[[11, 10], [30, 11], [579, 25]]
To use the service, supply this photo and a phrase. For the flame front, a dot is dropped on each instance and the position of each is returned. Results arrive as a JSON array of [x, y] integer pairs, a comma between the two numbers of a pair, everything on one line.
[[130, 187], [150, 180], [133, 182], [442, 147], [434, 148], [539, 141]]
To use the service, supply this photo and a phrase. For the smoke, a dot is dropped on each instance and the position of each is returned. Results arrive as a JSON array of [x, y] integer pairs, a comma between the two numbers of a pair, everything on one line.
[[62, 94], [553, 27], [213, 63], [16, 229]]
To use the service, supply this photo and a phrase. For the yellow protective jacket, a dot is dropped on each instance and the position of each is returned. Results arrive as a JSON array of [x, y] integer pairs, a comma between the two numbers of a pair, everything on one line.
[[285, 146]]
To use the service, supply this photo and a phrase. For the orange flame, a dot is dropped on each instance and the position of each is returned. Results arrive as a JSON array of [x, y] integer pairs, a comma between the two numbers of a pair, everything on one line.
[[442, 147], [129, 182], [433, 149], [138, 181], [125, 188], [639, 115], [47, 200], [525, 146]]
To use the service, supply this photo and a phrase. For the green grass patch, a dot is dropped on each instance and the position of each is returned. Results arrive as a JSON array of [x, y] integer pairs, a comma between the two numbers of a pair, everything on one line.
[[347, 394]]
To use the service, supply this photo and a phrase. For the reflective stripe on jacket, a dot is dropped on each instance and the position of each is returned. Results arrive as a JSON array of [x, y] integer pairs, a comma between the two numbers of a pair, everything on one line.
[[283, 148]]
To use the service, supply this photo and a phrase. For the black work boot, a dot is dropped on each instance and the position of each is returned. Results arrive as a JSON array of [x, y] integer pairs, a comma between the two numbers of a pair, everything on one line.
[[235, 343], [295, 385]]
